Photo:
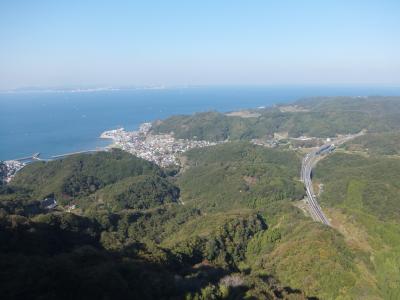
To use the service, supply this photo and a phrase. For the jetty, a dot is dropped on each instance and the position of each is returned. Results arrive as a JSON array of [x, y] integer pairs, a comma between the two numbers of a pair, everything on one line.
[[26, 159], [77, 152]]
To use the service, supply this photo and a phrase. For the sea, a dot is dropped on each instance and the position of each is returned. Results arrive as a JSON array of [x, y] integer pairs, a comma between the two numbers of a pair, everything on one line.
[[59, 122]]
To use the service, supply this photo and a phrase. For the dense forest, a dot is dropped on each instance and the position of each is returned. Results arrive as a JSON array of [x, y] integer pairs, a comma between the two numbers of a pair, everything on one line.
[[319, 117], [363, 193], [131, 235], [227, 225]]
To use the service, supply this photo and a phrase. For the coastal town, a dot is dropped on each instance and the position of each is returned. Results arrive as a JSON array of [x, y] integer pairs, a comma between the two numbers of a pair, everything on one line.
[[9, 168], [162, 149]]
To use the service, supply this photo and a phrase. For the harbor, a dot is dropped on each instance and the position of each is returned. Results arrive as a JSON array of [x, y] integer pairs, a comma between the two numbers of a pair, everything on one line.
[[12, 166], [161, 149]]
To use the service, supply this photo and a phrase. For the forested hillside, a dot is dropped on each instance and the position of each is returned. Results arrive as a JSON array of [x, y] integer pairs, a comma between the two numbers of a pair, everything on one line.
[[364, 193], [129, 236], [227, 225], [81, 175], [319, 117], [385, 143]]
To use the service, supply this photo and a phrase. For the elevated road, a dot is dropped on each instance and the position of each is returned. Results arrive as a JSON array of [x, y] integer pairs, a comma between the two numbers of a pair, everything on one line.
[[308, 163]]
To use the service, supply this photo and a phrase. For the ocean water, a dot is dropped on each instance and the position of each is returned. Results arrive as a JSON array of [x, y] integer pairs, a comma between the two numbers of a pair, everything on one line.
[[55, 123]]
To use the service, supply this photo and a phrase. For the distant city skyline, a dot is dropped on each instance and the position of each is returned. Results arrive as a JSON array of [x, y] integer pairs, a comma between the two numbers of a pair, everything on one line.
[[169, 43]]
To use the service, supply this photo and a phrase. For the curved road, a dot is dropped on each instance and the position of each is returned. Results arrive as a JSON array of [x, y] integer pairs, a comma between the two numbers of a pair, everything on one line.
[[308, 163]]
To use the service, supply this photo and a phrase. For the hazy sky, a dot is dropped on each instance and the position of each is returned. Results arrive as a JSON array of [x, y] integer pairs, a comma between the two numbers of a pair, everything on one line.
[[92, 43]]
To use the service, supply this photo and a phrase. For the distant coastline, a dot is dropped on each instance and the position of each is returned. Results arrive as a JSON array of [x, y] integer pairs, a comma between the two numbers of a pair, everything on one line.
[[81, 90], [54, 123]]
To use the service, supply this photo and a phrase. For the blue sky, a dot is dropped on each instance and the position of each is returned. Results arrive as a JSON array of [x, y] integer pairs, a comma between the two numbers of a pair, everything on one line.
[[133, 43]]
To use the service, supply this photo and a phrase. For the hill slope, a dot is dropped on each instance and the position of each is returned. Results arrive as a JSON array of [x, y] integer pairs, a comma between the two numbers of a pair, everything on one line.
[[227, 226], [319, 117], [81, 175], [364, 195]]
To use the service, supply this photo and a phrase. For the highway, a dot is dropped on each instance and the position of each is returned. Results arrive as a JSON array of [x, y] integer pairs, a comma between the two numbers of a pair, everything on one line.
[[308, 163]]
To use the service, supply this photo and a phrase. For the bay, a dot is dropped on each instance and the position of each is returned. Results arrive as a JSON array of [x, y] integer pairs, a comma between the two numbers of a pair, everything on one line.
[[55, 123]]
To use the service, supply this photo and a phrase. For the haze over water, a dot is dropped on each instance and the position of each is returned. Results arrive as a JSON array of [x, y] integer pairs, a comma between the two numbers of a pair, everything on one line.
[[61, 122]]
